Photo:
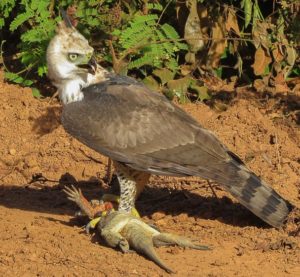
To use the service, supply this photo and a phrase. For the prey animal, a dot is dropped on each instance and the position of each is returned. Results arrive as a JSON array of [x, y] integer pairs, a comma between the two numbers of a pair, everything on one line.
[[125, 231], [144, 133]]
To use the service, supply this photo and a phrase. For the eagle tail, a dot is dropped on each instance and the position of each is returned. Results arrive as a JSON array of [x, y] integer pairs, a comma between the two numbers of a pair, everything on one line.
[[254, 193]]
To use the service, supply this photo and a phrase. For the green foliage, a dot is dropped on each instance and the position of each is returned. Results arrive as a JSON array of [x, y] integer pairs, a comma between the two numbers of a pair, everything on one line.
[[16, 78], [150, 43], [35, 26], [6, 7], [149, 39]]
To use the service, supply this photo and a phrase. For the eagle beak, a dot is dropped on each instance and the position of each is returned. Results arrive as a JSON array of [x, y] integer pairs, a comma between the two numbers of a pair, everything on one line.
[[92, 65]]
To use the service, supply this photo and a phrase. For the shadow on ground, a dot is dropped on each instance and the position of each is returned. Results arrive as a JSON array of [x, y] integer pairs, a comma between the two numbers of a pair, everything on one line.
[[51, 199]]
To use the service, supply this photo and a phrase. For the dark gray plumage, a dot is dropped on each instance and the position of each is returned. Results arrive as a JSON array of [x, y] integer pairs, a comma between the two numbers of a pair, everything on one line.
[[124, 120]]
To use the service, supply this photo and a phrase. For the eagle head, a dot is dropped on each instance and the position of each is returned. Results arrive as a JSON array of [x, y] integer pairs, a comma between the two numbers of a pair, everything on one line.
[[70, 62]]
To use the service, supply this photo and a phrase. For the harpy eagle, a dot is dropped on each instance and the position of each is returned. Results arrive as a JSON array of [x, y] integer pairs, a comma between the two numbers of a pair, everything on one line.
[[143, 132]]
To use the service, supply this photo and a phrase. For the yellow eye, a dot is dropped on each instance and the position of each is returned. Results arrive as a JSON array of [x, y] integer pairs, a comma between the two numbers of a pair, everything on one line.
[[73, 56]]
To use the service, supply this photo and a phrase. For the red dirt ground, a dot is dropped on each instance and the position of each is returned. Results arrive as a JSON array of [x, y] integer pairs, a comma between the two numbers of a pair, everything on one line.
[[40, 237]]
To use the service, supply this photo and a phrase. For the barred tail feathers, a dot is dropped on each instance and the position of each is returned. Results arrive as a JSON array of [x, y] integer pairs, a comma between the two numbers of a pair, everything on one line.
[[254, 194]]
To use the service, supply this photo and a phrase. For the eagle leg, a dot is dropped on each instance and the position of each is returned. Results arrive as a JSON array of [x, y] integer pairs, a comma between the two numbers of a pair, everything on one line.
[[131, 182]]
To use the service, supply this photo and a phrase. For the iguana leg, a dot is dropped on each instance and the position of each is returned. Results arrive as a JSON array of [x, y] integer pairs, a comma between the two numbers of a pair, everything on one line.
[[166, 239], [85, 206]]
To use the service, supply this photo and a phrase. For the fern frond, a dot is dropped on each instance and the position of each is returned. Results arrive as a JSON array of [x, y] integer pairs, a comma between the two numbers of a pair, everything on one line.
[[154, 6], [150, 19], [33, 36], [6, 7], [171, 33], [20, 19], [148, 59]]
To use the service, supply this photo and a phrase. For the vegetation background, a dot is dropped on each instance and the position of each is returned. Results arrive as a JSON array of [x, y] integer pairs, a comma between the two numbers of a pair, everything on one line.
[[187, 49]]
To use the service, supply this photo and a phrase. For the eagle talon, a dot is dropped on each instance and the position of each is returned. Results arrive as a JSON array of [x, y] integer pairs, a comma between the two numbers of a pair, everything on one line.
[[107, 197]]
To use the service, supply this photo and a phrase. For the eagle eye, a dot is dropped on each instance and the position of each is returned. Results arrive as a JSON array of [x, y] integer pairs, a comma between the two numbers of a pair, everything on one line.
[[73, 57]]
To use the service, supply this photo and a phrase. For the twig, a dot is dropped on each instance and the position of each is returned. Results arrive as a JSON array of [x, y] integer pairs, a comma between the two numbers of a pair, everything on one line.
[[164, 10], [10, 171], [51, 7], [278, 153], [212, 189], [53, 96], [115, 60], [90, 157]]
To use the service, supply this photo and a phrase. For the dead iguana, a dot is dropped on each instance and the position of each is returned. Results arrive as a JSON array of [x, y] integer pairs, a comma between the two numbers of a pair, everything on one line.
[[123, 230]]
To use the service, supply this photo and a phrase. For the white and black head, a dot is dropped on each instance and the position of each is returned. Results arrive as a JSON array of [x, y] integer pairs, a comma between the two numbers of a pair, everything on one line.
[[69, 53], [69, 59]]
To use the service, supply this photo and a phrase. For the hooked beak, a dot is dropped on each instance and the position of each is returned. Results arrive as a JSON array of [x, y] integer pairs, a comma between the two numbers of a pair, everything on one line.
[[92, 65]]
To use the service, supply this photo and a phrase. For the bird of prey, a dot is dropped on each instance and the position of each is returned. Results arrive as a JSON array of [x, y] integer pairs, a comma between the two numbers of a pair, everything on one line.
[[143, 132]]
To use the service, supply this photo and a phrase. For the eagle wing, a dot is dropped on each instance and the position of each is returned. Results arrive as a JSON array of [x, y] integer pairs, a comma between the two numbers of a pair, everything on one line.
[[126, 121]]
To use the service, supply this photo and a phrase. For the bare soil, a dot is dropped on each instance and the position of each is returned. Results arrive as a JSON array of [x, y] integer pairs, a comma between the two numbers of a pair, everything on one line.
[[40, 237]]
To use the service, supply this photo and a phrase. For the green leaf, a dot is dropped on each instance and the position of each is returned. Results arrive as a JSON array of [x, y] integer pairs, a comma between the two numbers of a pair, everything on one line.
[[42, 70], [248, 11], [169, 31], [219, 71], [164, 74], [15, 78], [36, 93], [179, 86], [2, 22], [151, 83], [202, 92]]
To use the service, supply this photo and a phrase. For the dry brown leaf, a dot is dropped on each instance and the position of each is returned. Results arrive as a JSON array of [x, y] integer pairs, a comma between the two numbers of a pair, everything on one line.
[[204, 19], [186, 69], [261, 60], [277, 55], [259, 85], [190, 58], [212, 82], [219, 43], [260, 34], [279, 83], [231, 22], [192, 29], [296, 90], [291, 55], [281, 88]]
